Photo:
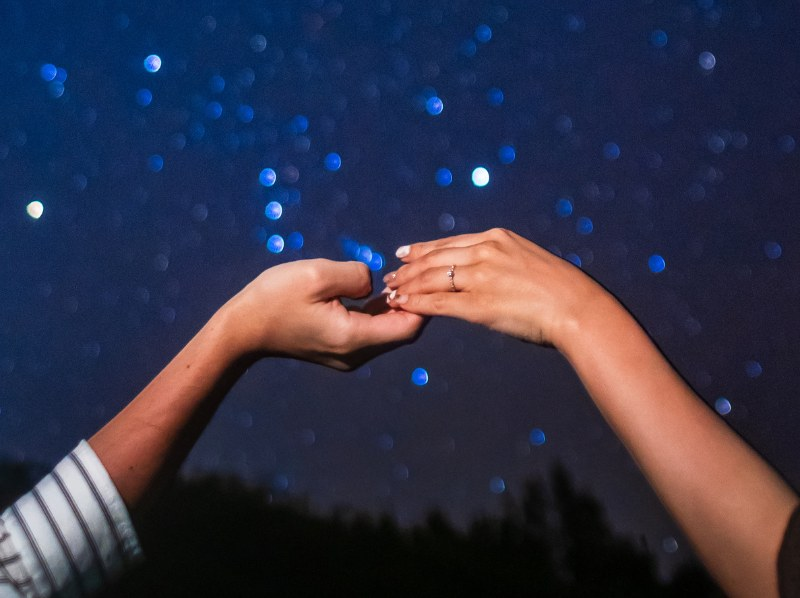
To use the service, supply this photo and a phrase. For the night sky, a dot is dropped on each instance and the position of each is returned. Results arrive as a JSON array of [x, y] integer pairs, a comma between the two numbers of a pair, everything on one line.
[[154, 159]]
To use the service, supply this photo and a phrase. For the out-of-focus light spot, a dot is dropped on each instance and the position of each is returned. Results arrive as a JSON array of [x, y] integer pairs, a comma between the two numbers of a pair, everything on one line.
[[144, 97], [167, 315], [216, 84], [574, 23], [197, 131], [299, 124], [446, 222], [274, 210], [200, 212], [722, 406], [611, 151], [385, 442], [419, 376], [444, 177], [213, 110], [468, 48], [48, 72], [245, 113], [364, 254], [400, 472], [495, 96], [787, 144], [275, 244], [280, 482], [659, 38], [656, 263], [564, 207], [267, 177], [152, 64], [295, 241], [669, 545], [55, 89], [507, 154], [376, 262], [537, 437], [584, 225], [61, 75], [480, 177], [160, 262], [716, 143], [707, 61], [772, 250], [497, 485], [740, 140], [333, 162], [434, 105], [753, 369], [563, 124], [574, 259], [35, 209], [258, 43], [483, 33], [350, 248], [155, 163]]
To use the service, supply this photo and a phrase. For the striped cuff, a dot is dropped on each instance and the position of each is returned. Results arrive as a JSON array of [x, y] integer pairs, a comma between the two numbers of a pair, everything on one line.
[[72, 532]]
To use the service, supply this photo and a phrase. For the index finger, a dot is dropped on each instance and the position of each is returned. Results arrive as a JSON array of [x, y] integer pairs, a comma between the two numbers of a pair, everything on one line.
[[409, 253]]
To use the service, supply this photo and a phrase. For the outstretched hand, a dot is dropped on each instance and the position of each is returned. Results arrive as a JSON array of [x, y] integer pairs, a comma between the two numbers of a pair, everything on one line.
[[503, 281], [294, 310]]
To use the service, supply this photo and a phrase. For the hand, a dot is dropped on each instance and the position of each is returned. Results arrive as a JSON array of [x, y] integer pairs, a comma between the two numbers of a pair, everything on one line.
[[293, 310], [504, 282]]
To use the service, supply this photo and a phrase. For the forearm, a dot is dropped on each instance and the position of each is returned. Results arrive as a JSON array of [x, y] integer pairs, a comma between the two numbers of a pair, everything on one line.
[[144, 445], [732, 505]]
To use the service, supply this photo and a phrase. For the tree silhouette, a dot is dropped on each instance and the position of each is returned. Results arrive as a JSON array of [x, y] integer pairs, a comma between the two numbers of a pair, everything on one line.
[[215, 536]]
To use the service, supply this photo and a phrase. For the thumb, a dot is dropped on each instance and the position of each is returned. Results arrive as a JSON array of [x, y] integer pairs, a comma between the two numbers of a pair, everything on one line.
[[342, 279]]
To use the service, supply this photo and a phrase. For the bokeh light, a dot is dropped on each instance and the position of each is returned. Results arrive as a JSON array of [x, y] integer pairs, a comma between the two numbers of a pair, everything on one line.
[[656, 263], [275, 244], [537, 437], [295, 241], [480, 176], [495, 96], [753, 369], [333, 162], [48, 72], [152, 64], [274, 210], [659, 38], [773, 250], [144, 97], [267, 177], [434, 105], [707, 61], [419, 377], [584, 225], [611, 151], [35, 209], [444, 177], [483, 33], [155, 163], [507, 154], [722, 406], [497, 485], [564, 207]]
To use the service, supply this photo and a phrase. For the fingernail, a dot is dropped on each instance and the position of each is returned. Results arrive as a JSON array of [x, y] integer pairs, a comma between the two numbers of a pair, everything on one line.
[[402, 251], [386, 291], [390, 276], [400, 299], [392, 295]]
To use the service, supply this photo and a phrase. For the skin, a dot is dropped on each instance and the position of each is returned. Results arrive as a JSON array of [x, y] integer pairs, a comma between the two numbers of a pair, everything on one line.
[[291, 310], [731, 504]]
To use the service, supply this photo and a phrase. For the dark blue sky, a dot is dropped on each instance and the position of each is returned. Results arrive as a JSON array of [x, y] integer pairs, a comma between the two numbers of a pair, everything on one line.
[[613, 133]]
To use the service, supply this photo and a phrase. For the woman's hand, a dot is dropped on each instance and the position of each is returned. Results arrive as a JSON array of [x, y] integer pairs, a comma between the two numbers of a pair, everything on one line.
[[503, 281], [293, 310]]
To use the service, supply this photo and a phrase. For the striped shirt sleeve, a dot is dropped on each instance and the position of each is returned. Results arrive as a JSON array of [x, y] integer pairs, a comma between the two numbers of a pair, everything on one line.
[[69, 536]]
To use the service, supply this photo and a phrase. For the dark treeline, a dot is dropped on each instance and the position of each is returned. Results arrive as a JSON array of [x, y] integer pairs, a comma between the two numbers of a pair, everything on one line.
[[217, 537]]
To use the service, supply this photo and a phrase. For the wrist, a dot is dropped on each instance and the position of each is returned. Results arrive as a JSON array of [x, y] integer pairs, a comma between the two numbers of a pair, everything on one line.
[[594, 309], [224, 332]]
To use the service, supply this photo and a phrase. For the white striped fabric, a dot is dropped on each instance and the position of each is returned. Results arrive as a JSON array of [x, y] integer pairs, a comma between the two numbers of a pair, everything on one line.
[[69, 536]]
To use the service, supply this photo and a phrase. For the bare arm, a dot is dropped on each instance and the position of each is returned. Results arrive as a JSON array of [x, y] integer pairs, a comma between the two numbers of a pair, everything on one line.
[[731, 504], [290, 310]]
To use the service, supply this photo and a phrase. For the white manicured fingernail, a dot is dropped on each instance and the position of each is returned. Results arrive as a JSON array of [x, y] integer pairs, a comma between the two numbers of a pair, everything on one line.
[[402, 251], [400, 299], [392, 295], [386, 291]]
